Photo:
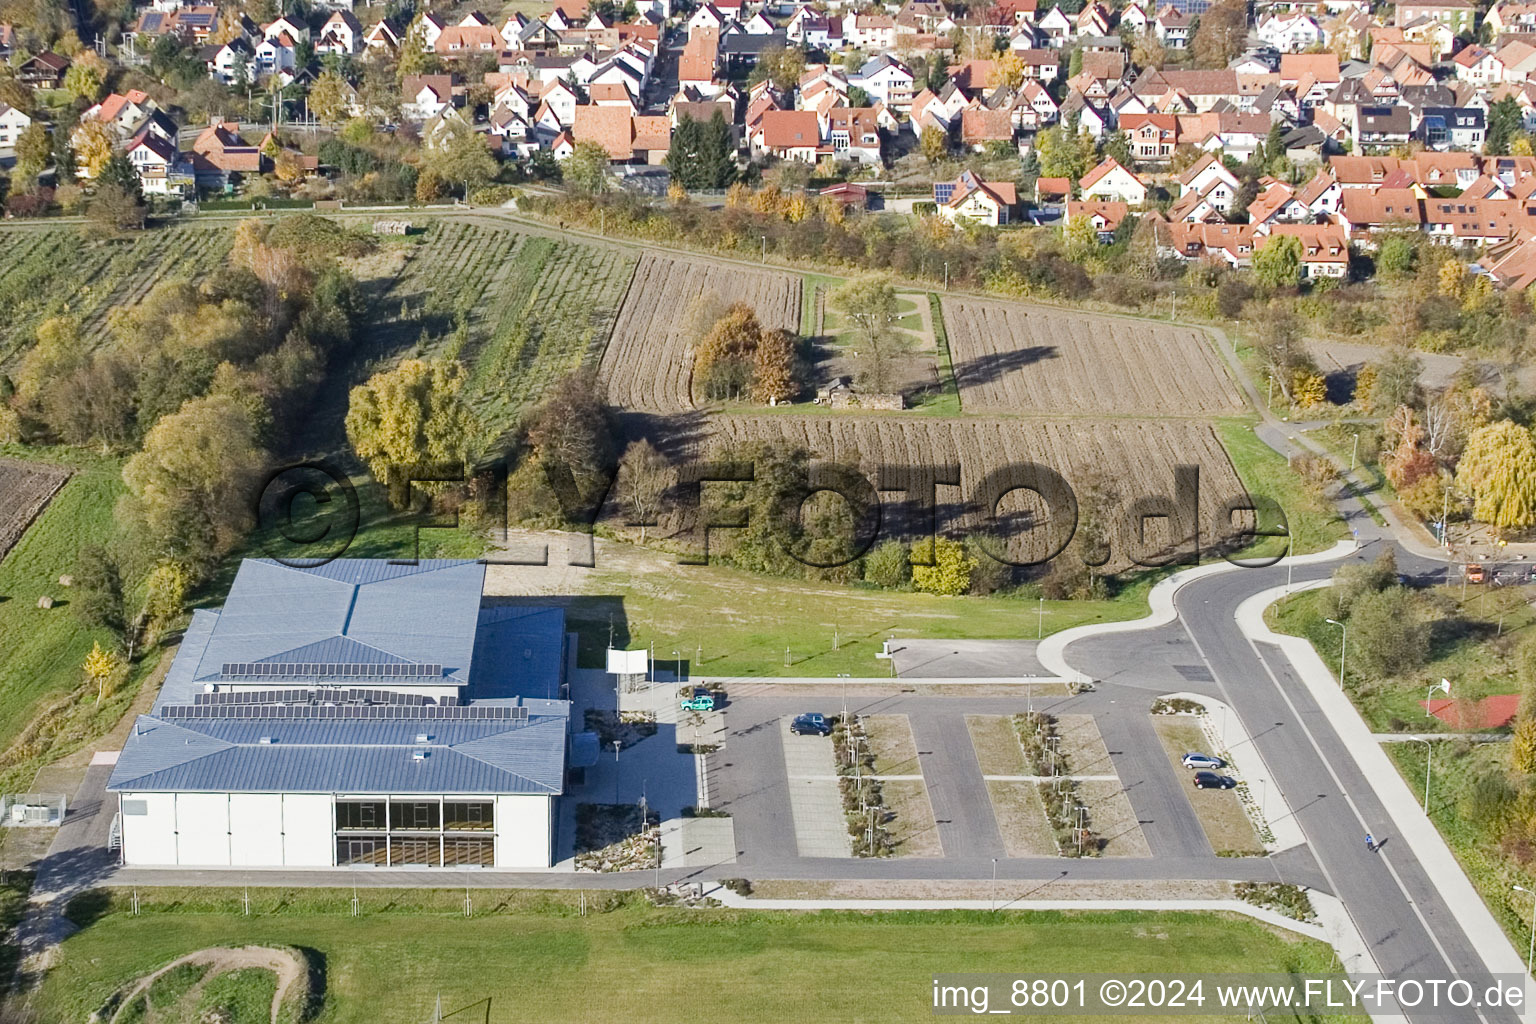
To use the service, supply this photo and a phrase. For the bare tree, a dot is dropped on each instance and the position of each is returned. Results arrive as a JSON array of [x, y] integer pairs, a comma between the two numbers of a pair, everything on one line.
[[645, 476]]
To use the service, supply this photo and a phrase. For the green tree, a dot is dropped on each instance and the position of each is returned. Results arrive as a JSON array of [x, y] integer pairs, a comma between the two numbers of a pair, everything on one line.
[[644, 478], [1396, 380], [949, 573], [190, 485], [329, 97], [1498, 471], [1504, 123], [33, 150], [98, 599], [586, 169], [1522, 751], [1395, 258], [702, 155], [869, 304], [933, 143], [1222, 33], [165, 595], [85, 77], [459, 154], [416, 57], [412, 414], [1277, 263], [1388, 636], [1064, 154]]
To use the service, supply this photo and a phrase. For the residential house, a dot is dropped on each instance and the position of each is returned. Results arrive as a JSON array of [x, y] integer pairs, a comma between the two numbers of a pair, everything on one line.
[[1364, 212], [853, 133], [788, 135], [382, 37], [1173, 28], [988, 202], [1152, 137], [1055, 28], [1111, 181], [1292, 33], [43, 71], [1442, 128], [12, 123], [342, 34], [1105, 216], [424, 97], [1229, 245], [869, 31], [467, 40], [1382, 127], [886, 80], [981, 127], [1324, 248], [1459, 15], [1208, 177]]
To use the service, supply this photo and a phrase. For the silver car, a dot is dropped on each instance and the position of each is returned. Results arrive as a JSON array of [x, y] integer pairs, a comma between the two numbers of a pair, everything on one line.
[[1206, 761]]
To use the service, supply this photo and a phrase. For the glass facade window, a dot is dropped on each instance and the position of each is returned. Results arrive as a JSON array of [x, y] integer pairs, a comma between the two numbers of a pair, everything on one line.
[[414, 816], [359, 814], [361, 850], [469, 817], [404, 850], [468, 851]]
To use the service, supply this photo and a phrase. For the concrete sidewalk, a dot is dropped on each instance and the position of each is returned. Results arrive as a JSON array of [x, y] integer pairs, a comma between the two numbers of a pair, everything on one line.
[[1412, 825]]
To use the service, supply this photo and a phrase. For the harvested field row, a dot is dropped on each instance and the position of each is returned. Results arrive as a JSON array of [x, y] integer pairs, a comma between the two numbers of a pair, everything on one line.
[[1133, 460], [648, 366], [1009, 357], [25, 489]]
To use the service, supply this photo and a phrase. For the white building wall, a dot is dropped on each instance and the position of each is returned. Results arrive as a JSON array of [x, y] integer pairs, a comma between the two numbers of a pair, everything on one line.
[[255, 829], [149, 837], [308, 830], [202, 829], [524, 831]]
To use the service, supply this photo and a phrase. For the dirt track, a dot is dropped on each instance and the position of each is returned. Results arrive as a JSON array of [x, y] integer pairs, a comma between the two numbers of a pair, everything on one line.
[[221, 960]]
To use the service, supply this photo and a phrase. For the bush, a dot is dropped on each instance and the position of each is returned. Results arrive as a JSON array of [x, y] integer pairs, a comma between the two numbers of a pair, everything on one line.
[[989, 575], [1317, 470], [886, 565], [950, 571], [494, 195], [925, 209]]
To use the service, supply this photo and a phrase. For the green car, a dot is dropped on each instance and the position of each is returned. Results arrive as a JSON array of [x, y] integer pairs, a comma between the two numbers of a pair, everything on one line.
[[699, 702]]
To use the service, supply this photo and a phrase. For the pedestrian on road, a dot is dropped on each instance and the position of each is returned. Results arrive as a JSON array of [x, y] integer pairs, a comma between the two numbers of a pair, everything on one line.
[[1370, 842]]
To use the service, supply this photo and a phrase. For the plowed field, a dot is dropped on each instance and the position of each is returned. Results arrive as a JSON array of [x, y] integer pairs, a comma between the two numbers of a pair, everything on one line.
[[648, 366], [25, 488], [1135, 459], [1035, 360]]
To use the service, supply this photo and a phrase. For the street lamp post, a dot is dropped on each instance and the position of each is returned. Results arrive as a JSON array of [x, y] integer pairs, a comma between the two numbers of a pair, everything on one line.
[[1040, 619], [1531, 954], [1343, 646], [1429, 767], [1353, 453], [994, 885]]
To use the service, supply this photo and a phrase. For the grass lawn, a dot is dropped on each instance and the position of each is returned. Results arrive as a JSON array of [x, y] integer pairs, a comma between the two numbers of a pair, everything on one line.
[[529, 956], [1474, 649], [946, 401], [1339, 440], [1221, 814], [43, 649], [1314, 522], [1474, 841], [725, 622], [1111, 816]]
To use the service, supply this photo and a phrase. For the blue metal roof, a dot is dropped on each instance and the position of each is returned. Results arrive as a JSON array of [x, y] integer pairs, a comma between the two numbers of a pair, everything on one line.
[[342, 757], [361, 612], [366, 609]]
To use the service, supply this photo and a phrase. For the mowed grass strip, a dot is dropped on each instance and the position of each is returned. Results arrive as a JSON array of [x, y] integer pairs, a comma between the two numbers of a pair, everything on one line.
[[1021, 819], [1221, 814], [730, 623], [534, 958], [1313, 521], [996, 745]]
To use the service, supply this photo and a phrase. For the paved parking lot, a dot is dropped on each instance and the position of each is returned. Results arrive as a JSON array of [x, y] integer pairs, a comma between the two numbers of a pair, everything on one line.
[[815, 804], [784, 804]]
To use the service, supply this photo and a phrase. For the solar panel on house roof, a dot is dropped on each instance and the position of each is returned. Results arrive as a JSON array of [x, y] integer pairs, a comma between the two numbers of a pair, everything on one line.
[[328, 669]]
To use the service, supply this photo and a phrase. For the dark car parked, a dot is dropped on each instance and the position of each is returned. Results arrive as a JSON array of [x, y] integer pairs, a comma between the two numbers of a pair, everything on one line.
[[810, 725], [1210, 780]]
